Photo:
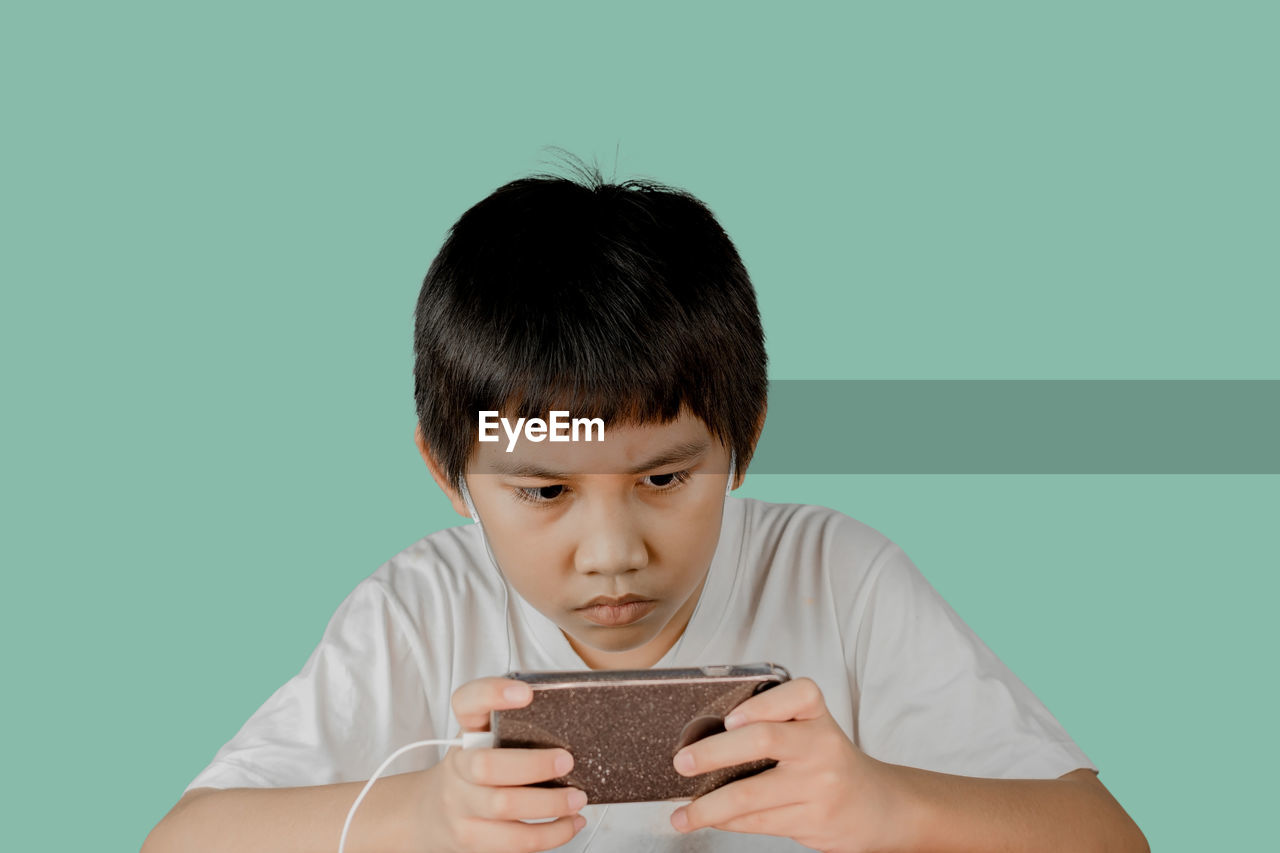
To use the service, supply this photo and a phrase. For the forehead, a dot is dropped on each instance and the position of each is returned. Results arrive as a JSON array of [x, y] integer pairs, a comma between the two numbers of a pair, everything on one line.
[[625, 448]]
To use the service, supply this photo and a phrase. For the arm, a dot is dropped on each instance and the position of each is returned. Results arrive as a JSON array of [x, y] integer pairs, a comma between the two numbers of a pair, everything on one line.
[[829, 795], [282, 820], [356, 700], [933, 695], [472, 801], [1072, 813]]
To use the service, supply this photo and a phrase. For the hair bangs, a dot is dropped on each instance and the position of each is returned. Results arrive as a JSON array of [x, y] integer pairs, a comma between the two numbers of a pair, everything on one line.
[[623, 302]]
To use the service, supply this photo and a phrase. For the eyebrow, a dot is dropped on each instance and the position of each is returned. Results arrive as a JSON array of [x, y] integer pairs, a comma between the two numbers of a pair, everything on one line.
[[671, 456]]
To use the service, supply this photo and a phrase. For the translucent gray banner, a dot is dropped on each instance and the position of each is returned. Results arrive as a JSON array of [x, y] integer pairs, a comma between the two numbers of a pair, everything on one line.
[[1021, 427]]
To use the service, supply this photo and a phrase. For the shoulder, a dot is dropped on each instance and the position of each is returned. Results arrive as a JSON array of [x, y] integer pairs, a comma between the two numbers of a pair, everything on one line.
[[823, 534], [812, 541], [446, 573]]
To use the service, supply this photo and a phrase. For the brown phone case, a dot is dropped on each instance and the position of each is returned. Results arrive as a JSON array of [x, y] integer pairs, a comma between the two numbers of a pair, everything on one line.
[[624, 727]]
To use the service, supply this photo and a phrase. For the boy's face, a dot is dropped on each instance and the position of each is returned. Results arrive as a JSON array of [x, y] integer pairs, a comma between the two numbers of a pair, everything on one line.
[[635, 515]]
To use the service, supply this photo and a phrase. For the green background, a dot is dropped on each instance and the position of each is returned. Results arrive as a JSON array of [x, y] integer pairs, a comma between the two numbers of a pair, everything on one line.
[[216, 220]]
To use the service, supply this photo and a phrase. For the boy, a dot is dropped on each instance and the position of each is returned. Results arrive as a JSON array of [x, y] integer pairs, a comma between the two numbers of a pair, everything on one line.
[[899, 731]]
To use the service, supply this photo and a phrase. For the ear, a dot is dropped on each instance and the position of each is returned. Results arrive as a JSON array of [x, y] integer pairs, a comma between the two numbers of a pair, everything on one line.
[[437, 474], [741, 473]]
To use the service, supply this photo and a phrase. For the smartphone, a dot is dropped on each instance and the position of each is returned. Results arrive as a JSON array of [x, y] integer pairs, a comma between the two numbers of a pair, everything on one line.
[[624, 727]]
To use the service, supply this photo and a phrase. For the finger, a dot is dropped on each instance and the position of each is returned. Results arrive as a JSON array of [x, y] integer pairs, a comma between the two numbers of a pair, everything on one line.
[[787, 821], [779, 741], [513, 837], [522, 803], [494, 767], [473, 701], [763, 792], [800, 699]]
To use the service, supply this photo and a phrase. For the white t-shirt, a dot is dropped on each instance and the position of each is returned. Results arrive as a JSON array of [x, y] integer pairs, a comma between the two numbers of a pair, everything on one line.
[[803, 586]]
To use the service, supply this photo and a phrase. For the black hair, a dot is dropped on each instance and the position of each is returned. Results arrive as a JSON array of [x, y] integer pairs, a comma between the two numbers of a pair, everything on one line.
[[621, 301]]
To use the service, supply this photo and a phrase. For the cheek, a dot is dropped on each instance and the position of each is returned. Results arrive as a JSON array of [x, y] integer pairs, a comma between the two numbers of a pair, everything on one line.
[[690, 544], [528, 557]]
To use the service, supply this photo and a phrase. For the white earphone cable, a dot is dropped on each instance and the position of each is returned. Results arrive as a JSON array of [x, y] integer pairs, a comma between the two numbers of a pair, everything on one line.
[[468, 740]]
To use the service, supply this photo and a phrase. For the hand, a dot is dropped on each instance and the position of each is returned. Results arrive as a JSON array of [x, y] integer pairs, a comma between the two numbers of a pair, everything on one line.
[[475, 799], [824, 793]]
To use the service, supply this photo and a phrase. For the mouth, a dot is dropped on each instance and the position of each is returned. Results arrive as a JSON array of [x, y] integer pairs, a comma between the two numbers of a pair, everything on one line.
[[613, 612]]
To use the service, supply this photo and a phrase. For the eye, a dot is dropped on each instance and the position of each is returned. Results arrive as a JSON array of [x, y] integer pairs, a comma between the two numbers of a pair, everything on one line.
[[544, 495], [539, 494], [668, 482]]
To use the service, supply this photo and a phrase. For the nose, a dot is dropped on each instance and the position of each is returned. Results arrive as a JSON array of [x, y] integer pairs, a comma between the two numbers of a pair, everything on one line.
[[612, 542]]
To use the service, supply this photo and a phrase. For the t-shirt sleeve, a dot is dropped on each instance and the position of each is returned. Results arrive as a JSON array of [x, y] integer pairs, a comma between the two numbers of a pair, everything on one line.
[[358, 698], [933, 696]]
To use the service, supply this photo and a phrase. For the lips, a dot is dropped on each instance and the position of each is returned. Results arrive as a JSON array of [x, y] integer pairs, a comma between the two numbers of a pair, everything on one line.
[[614, 602], [615, 611]]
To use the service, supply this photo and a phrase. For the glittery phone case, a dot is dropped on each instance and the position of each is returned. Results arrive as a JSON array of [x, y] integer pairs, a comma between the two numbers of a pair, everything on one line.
[[623, 727]]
